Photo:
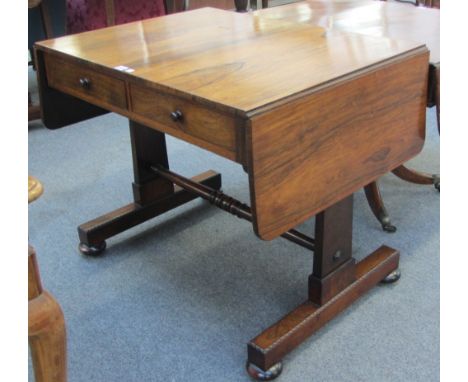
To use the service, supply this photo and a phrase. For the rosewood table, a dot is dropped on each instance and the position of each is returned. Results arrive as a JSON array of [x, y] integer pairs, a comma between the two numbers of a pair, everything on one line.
[[334, 112], [380, 19]]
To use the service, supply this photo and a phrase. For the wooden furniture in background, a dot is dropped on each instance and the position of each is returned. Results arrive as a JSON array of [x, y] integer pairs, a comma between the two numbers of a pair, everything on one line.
[[380, 19], [44, 13], [34, 111], [308, 141], [35, 189], [46, 325]]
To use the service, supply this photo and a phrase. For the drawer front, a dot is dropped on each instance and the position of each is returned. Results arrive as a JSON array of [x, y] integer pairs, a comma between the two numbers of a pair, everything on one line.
[[85, 83], [181, 117]]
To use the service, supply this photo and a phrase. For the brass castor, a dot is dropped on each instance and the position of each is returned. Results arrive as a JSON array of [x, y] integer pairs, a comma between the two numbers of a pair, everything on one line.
[[92, 250], [264, 375], [392, 277], [387, 226]]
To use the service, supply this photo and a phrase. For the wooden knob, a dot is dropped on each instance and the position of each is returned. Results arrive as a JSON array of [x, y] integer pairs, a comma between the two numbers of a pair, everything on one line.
[[176, 115], [85, 82]]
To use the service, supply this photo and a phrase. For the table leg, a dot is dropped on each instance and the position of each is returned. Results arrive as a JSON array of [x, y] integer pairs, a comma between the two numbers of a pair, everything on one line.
[[374, 198], [417, 177], [335, 283], [153, 195]]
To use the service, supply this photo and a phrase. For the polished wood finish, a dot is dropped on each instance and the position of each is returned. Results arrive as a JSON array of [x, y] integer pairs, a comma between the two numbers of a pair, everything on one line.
[[34, 279], [203, 67], [230, 107], [197, 121], [372, 18], [46, 329], [307, 138], [391, 19], [60, 109], [274, 343], [334, 267], [153, 195], [148, 148], [347, 150], [85, 83]]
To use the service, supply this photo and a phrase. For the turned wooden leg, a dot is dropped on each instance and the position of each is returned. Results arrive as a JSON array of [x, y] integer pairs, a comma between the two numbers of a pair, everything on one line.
[[417, 177], [374, 198], [335, 283], [153, 195], [46, 329]]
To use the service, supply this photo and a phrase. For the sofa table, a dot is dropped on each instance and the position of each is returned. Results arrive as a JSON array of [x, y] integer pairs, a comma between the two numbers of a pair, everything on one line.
[[333, 112]]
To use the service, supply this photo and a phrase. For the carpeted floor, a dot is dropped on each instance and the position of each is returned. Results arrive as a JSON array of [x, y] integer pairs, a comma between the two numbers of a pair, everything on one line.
[[177, 298]]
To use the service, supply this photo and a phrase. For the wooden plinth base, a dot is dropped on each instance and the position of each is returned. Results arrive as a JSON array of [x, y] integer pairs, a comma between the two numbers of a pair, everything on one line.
[[274, 343], [93, 233]]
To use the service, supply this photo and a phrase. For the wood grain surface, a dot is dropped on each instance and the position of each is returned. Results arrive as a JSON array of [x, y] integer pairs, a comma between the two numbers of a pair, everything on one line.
[[372, 18], [312, 114], [102, 89], [221, 56], [279, 339], [309, 154], [46, 329]]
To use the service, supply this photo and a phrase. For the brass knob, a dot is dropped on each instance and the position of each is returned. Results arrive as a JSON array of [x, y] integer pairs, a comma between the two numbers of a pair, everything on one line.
[[176, 115], [85, 82]]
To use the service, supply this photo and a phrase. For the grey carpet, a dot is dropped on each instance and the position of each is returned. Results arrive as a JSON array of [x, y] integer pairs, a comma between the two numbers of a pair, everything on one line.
[[177, 298]]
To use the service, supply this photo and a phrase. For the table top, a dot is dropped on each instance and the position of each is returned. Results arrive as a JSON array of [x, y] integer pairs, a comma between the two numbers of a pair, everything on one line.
[[375, 18], [242, 62]]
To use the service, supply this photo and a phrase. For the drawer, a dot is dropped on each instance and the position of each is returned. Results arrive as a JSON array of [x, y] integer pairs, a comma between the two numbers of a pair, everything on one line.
[[84, 82], [184, 118]]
